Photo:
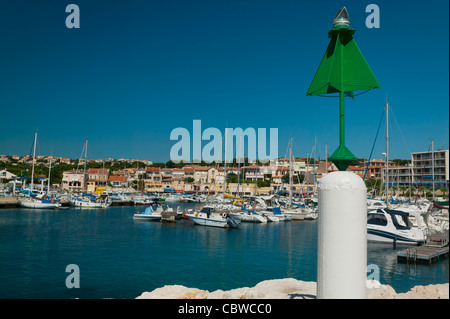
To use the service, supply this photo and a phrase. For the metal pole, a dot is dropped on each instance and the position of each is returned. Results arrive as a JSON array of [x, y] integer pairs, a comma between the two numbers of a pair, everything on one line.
[[341, 119], [387, 154], [342, 237], [432, 163]]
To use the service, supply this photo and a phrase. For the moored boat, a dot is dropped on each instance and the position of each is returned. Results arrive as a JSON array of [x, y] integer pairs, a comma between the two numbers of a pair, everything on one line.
[[392, 226], [208, 217]]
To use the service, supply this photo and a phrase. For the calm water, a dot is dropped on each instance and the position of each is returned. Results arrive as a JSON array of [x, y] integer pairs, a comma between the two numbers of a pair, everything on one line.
[[119, 257]]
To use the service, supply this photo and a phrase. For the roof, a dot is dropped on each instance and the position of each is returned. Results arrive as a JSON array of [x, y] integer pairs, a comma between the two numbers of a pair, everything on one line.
[[202, 168], [98, 171], [117, 178], [252, 167]]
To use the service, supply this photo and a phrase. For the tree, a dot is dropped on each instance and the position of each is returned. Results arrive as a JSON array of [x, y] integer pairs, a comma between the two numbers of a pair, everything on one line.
[[170, 164]]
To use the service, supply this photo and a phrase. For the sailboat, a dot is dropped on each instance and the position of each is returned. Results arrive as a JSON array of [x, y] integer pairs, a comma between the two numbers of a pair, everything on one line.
[[89, 200], [40, 200], [297, 212], [388, 225]]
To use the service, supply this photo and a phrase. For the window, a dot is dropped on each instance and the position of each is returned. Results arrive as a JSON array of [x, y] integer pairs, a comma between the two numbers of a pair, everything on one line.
[[376, 219]]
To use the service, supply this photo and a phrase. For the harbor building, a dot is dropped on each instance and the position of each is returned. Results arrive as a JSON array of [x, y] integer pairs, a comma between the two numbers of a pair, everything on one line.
[[429, 166], [425, 169]]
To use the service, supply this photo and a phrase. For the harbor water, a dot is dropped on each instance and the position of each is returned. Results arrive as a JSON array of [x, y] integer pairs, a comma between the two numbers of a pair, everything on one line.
[[119, 257]]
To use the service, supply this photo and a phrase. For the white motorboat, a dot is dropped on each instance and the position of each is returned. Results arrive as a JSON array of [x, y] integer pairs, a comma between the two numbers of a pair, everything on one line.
[[150, 213], [274, 214], [375, 204], [208, 217], [142, 200], [89, 202], [270, 216], [312, 215], [392, 226], [248, 216], [172, 198], [298, 213]]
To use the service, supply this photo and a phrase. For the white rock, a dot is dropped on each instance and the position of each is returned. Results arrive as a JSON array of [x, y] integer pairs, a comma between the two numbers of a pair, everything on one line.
[[375, 290], [175, 292], [290, 288], [426, 292]]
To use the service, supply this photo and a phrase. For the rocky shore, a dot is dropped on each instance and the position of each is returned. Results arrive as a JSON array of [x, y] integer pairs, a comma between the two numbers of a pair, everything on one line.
[[290, 288]]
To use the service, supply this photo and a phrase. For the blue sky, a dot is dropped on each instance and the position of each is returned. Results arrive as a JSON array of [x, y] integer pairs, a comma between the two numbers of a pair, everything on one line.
[[136, 70]]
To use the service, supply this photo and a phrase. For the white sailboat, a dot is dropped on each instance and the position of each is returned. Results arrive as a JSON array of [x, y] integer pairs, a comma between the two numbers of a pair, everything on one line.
[[295, 212], [38, 201], [88, 200]]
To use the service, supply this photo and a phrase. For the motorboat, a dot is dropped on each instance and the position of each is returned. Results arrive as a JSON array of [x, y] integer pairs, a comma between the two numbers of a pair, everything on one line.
[[249, 216], [392, 226], [90, 201], [312, 215], [277, 214], [142, 200], [375, 204], [207, 216], [150, 213]]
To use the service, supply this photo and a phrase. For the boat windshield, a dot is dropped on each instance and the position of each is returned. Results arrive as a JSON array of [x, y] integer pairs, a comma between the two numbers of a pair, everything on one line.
[[400, 222], [206, 210], [376, 219]]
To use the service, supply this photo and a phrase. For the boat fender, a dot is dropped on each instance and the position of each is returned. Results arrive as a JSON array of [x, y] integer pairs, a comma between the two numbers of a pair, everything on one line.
[[196, 215], [224, 215], [53, 201]]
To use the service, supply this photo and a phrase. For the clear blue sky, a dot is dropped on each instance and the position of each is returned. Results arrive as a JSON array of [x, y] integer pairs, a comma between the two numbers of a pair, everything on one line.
[[135, 70]]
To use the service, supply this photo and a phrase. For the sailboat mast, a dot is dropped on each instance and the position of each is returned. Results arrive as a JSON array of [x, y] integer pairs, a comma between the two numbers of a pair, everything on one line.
[[225, 167], [84, 174], [239, 168], [49, 172], [34, 156], [290, 172], [387, 154], [432, 164]]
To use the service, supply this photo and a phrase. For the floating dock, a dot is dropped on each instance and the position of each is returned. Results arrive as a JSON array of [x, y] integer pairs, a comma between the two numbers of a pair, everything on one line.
[[434, 250]]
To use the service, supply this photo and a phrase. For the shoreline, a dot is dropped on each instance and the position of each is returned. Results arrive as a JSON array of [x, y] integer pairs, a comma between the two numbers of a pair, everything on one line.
[[290, 288]]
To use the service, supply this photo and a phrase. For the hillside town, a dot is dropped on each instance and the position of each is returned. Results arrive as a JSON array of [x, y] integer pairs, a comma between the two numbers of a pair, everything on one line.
[[116, 175]]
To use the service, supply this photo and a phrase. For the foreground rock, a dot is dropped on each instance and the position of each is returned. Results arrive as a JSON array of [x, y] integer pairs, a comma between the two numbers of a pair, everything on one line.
[[290, 288]]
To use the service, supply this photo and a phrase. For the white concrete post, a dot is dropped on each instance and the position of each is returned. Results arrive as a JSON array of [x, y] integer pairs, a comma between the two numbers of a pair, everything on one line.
[[342, 238]]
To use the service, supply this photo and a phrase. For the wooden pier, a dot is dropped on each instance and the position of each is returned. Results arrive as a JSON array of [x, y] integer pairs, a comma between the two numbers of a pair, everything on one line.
[[434, 250]]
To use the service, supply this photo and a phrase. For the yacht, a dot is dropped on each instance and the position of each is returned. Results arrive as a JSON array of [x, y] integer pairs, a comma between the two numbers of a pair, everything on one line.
[[392, 226], [208, 217]]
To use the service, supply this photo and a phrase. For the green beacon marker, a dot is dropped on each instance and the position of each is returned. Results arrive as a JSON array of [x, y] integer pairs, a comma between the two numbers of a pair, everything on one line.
[[342, 70]]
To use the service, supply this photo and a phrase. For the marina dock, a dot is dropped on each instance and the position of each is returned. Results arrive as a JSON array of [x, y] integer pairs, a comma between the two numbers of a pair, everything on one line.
[[434, 250], [6, 202]]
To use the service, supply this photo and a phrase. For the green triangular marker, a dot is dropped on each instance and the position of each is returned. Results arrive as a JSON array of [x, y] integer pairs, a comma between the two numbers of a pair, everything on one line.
[[342, 70]]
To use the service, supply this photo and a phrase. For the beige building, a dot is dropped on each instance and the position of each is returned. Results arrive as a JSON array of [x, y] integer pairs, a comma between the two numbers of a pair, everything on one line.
[[74, 181]]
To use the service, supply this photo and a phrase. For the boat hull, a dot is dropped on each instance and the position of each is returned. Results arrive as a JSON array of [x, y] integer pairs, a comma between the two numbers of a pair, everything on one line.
[[83, 204], [38, 204], [147, 217], [208, 221], [377, 235]]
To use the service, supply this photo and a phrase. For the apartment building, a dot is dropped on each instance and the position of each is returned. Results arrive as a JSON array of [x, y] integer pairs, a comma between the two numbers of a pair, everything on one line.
[[429, 166]]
